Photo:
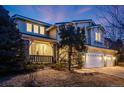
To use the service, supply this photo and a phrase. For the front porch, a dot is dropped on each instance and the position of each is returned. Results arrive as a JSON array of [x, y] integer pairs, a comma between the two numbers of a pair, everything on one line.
[[40, 49]]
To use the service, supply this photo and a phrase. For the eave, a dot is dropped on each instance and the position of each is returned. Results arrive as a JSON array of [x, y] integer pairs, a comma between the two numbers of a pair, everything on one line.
[[34, 38]]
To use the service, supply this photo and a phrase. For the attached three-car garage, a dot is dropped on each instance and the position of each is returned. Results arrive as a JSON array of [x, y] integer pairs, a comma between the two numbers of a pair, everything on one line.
[[99, 57], [94, 60]]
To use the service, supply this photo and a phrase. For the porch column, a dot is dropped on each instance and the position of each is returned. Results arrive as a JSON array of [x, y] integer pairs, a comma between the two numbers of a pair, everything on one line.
[[54, 53], [26, 50]]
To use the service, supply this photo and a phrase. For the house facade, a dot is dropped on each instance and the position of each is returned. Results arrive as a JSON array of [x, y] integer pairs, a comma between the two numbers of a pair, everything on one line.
[[41, 40]]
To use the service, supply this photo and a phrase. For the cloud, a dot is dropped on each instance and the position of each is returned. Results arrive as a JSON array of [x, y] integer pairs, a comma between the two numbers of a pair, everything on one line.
[[83, 10], [51, 13]]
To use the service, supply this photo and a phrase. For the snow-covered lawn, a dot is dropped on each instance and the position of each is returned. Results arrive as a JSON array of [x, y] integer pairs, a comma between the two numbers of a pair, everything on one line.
[[54, 78]]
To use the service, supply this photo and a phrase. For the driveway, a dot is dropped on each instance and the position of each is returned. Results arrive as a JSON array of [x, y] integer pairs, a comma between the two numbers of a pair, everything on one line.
[[115, 71]]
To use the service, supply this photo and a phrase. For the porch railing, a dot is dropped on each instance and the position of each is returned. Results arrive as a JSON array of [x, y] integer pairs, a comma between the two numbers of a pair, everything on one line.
[[40, 58]]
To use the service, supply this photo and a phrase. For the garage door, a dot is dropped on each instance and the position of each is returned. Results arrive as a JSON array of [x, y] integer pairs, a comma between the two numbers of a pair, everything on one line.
[[94, 60], [109, 61]]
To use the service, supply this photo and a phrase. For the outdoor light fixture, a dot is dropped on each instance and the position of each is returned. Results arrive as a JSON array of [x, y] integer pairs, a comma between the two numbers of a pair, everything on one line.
[[105, 57], [113, 58], [100, 58], [83, 56]]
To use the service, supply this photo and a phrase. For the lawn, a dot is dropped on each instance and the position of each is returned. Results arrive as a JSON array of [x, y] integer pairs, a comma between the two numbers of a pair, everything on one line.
[[54, 78]]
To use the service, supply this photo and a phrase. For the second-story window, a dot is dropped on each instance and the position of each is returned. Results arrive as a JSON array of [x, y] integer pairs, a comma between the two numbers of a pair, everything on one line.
[[42, 30], [35, 28], [29, 27], [98, 36]]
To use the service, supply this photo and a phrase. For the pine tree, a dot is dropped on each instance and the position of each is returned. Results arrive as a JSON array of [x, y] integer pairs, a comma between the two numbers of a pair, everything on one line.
[[73, 38], [11, 45]]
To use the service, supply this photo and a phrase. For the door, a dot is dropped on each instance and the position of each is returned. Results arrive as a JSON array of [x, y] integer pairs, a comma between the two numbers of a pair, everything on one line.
[[94, 60]]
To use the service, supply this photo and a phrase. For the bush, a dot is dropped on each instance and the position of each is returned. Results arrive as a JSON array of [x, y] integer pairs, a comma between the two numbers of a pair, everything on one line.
[[59, 66], [80, 65], [33, 67]]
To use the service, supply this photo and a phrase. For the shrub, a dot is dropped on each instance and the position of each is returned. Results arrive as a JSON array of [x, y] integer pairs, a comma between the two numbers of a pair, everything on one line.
[[80, 65], [59, 66], [33, 67]]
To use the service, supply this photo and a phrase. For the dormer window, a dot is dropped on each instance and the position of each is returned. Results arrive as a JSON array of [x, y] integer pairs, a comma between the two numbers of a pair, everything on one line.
[[98, 36], [29, 27], [35, 28], [42, 30]]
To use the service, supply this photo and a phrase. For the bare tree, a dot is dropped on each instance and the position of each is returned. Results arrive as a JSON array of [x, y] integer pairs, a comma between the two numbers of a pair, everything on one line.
[[114, 17]]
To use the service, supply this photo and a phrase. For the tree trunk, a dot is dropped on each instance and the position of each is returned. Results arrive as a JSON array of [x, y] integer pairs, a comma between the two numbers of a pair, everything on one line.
[[69, 58], [80, 61]]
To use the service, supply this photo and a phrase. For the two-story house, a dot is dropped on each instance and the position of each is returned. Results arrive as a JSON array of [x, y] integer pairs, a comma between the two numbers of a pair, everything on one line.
[[42, 39], [98, 54]]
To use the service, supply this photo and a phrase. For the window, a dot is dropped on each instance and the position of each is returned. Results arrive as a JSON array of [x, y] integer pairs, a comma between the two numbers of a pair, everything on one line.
[[35, 28], [41, 30], [97, 36], [29, 27]]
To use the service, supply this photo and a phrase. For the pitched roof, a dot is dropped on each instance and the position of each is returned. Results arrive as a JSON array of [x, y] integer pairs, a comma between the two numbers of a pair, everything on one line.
[[16, 16], [86, 20]]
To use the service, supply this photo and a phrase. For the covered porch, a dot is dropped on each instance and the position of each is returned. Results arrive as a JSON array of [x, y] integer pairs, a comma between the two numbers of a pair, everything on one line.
[[40, 49]]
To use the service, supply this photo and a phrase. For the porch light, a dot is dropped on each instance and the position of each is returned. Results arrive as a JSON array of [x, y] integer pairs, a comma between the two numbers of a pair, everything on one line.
[[83, 56], [113, 58], [100, 58], [105, 57]]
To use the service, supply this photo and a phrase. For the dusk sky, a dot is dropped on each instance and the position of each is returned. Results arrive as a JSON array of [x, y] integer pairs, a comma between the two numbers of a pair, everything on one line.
[[53, 14]]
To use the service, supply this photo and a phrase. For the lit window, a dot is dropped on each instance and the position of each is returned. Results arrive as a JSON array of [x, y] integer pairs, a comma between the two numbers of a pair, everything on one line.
[[97, 36], [41, 30], [29, 27], [35, 29]]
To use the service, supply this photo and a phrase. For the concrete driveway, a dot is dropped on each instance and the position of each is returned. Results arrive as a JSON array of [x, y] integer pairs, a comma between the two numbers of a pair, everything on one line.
[[115, 71]]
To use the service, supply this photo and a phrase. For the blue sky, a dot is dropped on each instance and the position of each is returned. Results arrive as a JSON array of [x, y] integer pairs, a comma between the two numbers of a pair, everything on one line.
[[53, 14]]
